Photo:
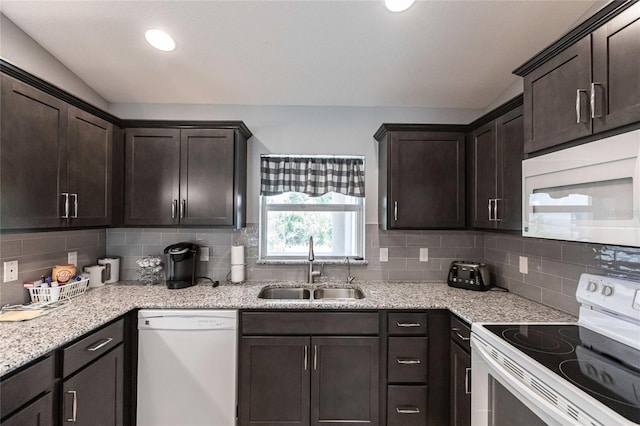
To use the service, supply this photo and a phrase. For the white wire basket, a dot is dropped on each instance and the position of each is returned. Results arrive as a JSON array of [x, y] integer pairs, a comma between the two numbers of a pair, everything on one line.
[[53, 294]]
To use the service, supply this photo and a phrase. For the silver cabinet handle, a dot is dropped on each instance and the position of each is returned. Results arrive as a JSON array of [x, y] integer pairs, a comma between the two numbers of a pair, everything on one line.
[[579, 105], [315, 357], [75, 206], [395, 211], [489, 207], [467, 381], [457, 331], [183, 208], [593, 100], [65, 195], [100, 344], [74, 407], [306, 357], [496, 217], [408, 410], [174, 207], [408, 324], [408, 361]]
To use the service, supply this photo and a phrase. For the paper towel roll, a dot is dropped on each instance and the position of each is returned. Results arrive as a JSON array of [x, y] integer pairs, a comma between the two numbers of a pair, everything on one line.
[[237, 255], [237, 273]]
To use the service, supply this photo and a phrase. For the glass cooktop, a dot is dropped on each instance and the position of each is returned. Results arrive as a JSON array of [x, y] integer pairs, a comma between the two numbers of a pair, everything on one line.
[[607, 370]]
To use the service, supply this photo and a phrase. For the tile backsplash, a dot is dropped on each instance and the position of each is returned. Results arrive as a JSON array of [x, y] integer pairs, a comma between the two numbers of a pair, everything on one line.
[[553, 266], [38, 252]]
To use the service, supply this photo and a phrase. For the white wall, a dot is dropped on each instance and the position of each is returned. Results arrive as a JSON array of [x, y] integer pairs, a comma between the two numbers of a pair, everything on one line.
[[24, 52], [303, 130]]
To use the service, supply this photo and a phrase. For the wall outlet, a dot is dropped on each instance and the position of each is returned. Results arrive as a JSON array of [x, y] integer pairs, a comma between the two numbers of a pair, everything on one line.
[[384, 254], [10, 271], [204, 253], [524, 265], [424, 255], [72, 258]]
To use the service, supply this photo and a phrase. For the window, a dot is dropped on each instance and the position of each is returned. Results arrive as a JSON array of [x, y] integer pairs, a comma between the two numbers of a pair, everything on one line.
[[319, 197]]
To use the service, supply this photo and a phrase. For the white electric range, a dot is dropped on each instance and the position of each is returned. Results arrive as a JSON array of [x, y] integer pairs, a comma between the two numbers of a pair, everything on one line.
[[584, 373]]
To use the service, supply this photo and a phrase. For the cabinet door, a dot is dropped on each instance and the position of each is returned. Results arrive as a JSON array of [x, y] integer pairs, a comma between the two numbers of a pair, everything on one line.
[[427, 180], [616, 71], [94, 396], [485, 177], [556, 98], [38, 413], [152, 173], [460, 386], [274, 381], [33, 151], [345, 380], [90, 150], [510, 140], [206, 177]]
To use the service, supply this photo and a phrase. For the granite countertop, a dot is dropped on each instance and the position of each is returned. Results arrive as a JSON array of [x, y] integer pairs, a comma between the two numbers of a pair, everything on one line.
[[23, 342]]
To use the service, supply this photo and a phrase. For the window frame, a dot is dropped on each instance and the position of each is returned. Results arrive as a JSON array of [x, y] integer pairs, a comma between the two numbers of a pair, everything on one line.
[[265, 208]]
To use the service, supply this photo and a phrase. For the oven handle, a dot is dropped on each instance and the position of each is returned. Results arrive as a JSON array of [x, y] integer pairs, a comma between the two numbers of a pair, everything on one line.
[[543, 409]]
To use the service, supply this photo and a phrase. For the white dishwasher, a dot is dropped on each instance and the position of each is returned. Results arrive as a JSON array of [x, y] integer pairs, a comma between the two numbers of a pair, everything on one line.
[[187, 363]]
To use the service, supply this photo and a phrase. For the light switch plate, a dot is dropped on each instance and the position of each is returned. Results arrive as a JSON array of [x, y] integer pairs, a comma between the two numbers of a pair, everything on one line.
[[72, 258], [10, 271], [384, 254], [204, 253], [524, 265], [424, 255]]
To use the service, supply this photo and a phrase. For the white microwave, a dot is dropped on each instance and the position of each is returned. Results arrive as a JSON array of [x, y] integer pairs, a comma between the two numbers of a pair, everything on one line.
[[588, 193]]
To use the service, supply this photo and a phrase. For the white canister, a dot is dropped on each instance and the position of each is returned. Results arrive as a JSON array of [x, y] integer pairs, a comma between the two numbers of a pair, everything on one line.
[[97, 275], [112, 271]]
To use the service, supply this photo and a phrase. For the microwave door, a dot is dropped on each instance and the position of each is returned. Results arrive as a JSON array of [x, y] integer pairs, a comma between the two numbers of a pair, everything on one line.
[[576, 200]]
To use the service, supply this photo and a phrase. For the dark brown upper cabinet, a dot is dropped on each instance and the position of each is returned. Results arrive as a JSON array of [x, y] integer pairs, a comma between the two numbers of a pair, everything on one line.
[[185, 176], [421, 176], [56, 161], [564, 100], [496, 178]]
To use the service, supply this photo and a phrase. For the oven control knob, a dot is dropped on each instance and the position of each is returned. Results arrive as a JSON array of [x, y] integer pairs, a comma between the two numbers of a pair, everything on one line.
[[592, 286], [607, 290]]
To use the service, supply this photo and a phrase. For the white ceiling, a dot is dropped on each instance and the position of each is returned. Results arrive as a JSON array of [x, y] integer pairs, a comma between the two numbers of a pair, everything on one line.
[[447, 54]]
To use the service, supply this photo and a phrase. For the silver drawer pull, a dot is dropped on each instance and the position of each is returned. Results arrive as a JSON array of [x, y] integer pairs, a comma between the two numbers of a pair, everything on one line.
[[74, 407], [408, 361], [408, 324], [457, 331], [408, 410], [100, 345]]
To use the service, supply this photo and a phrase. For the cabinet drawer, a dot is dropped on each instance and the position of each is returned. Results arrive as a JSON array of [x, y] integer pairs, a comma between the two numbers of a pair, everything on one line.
[[318, 323], [91, 347], [407, 324], [461, 333], [406, 406], [20, 388], [407, 361]]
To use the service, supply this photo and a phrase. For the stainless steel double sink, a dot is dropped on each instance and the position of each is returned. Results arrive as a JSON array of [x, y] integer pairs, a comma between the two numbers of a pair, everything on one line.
[[301, 293]]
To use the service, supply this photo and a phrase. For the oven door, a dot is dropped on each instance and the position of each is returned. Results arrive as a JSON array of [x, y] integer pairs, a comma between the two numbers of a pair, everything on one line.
[[588, 193], [498, 398]]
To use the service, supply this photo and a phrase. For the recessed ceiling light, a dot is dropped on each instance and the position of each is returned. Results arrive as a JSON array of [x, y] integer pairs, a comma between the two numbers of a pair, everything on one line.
[[398, 5], [160, 40]]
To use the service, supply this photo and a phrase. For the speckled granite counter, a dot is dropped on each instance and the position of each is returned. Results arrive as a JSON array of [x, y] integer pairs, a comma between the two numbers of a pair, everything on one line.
[[25, 341]]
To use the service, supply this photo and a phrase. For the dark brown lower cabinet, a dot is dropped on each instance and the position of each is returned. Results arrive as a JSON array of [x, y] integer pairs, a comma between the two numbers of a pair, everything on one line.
[[460, 372], [38, 413], [309, 380], [93, 396]]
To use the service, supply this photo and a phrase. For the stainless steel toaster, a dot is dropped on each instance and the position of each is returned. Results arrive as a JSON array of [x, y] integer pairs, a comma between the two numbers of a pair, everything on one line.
[[469, 275]]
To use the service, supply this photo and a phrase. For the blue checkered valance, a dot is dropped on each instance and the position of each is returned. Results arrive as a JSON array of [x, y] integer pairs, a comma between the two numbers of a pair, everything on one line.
[[312, 175]]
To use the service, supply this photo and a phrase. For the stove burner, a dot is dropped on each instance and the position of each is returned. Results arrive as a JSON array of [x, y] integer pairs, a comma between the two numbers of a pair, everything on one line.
[[536, 341], [593, 378]]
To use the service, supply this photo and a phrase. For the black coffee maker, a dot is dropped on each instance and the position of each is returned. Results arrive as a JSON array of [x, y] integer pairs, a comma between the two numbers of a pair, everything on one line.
[[180, 265]]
